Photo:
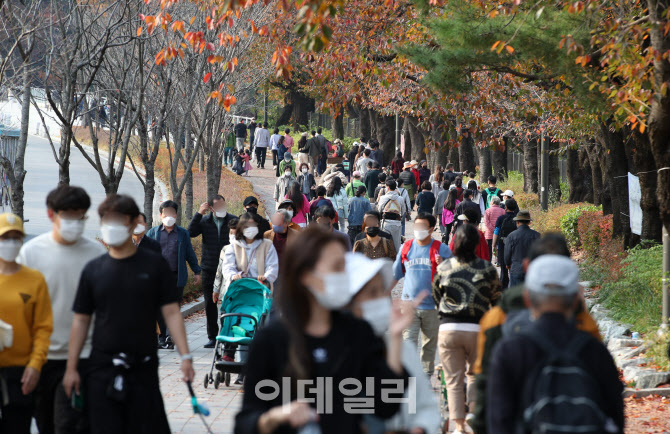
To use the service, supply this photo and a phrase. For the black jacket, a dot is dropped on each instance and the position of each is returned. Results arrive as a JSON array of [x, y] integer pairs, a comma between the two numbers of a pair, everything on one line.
[[517, 245], [349, 351], [149, 244], [240, 130], [514, 358], [212, 240]]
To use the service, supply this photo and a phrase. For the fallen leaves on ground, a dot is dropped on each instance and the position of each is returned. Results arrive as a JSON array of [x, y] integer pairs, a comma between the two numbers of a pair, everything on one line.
[[649, 414]]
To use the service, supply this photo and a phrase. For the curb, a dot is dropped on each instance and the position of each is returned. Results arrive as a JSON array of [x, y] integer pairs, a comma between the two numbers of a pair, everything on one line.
[[639, 393], [193, 306]]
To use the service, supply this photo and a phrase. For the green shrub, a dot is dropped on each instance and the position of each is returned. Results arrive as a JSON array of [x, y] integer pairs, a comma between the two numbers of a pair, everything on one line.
[[633, 292], [568, 224]]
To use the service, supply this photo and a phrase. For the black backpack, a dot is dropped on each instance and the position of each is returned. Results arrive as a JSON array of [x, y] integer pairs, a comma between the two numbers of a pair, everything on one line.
[[560, 396], [508, 226]]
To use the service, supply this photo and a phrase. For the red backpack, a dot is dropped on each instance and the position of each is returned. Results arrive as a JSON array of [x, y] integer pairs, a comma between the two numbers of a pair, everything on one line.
[[434, 250]]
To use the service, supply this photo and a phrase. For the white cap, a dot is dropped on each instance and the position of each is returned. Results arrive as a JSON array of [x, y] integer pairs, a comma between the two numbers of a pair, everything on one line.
[[552, 275], [463, 217], [362, 269], [508, 193]]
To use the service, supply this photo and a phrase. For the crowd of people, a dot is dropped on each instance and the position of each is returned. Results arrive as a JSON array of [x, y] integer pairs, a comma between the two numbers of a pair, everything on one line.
[[497, 305]]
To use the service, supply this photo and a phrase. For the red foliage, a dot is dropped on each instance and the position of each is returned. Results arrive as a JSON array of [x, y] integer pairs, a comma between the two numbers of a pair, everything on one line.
[[595, 232]]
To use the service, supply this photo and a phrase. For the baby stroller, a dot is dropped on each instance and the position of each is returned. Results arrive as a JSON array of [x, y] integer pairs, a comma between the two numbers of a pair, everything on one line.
[[244, 307]]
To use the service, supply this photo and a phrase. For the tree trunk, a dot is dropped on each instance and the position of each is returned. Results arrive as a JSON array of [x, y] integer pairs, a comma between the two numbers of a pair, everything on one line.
[[574, 176], [466, 153], [302, 105], [499, 160], [338, 127], [659, 115], [386, 136], [366, 124], [439, 156], [530, 166], [485, 169], [373, 126], [188, 173], [418, 141], [201, 160], [593, 149], [586, 176], [554, 178], [617, 170], [19, 159], [646, 168], [407, 138]]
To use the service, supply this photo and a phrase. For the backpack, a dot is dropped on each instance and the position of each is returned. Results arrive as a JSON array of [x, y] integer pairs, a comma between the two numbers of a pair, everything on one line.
[[339, 151], [491, 195], [434, 250], [559, 396], [508, 226], [392, 210]]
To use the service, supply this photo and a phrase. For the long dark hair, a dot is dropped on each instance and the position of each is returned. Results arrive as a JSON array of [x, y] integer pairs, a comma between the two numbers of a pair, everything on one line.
[[398, 156], [458, 182], [466, 240], [450, 203], [335, 187], [294, 298], [301, 141], [296, 196], [360, 191]]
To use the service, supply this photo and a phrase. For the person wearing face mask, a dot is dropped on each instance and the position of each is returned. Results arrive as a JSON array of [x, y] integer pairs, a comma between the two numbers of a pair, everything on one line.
[[373, 242], [282, 185], [60, 255], [25, 307], [177, 249], [220, 282], [370, 284], [307, 182], [300, 204], [251, 256], [281, 232], [417, 262], [251, 206], [287, 204], [121, 384], [139, 236], [286, 163], [212, 226], [313, 338]]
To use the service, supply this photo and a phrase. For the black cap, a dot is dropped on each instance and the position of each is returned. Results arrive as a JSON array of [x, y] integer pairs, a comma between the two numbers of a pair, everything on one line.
[[249, 200]]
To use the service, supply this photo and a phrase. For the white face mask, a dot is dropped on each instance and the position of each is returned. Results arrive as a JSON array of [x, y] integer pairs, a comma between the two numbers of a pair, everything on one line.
[[139, 229], [287, 173], [336, 291], [290, 213], [421, 235], [9, 249], [221, 214], [114, 234], [377, 312], [169, 221], [70, 229], [304, 170], [250, 232]]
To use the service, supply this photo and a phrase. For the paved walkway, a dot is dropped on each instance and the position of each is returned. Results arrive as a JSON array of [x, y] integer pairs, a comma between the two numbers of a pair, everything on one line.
[[225, 402]]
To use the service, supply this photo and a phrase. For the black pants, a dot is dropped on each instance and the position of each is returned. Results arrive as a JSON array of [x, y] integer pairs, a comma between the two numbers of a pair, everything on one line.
[[142, 410], [164, 332], [504, 273], [210, 307], [275, 159], [18, 413], [260, 156], [490, 243], [53, 409], [353, 231]]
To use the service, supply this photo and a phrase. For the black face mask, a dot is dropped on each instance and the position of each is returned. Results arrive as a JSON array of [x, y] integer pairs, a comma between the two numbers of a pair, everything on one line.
[[372, 231], [252, 210]]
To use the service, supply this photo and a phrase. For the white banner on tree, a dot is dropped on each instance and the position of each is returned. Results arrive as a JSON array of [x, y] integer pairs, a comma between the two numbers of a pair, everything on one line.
[[634, 197]]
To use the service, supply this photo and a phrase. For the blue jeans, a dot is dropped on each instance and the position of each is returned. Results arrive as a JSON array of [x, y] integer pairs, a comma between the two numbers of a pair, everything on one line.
[[516, 279], [228, 156]]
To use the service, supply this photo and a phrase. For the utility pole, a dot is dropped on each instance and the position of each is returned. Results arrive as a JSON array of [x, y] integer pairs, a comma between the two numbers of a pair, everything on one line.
[[666, 278], [544, 175], [397, 132]]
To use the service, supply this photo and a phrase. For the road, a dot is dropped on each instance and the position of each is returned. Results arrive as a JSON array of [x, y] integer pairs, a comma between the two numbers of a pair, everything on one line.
[[42, 177]]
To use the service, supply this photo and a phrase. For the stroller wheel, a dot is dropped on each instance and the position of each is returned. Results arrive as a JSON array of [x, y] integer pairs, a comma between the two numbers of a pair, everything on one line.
[[227, 379], [206, 383], [217, 380]]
